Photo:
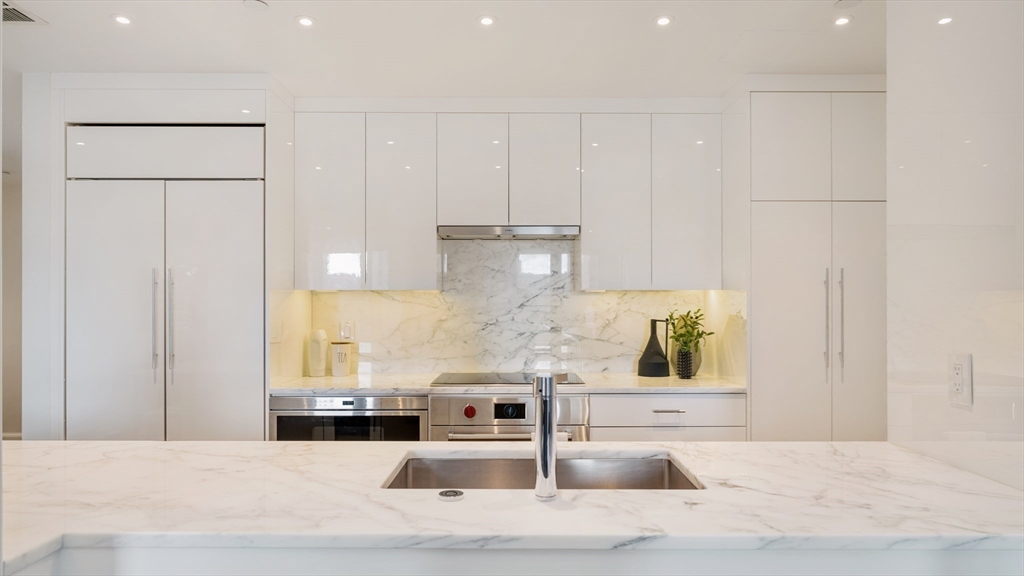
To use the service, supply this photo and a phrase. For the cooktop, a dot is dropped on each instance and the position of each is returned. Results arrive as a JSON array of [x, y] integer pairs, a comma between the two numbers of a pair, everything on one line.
[[499, 379]]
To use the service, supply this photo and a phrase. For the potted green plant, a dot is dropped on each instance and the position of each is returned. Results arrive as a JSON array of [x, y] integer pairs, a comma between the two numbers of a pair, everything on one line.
[[688, 335]]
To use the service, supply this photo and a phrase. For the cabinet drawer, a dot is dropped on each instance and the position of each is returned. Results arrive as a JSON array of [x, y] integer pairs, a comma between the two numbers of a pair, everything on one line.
[[669, 434], [197, 152], [668, 410]]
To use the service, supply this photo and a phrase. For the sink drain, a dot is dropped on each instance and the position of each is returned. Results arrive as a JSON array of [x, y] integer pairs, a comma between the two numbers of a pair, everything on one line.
[[450, 495]]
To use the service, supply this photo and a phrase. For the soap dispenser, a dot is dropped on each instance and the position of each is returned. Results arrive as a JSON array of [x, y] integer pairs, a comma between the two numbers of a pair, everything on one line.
[[654, 362]]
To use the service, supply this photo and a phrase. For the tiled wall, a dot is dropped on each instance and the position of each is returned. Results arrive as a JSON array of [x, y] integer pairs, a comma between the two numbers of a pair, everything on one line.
[[511, 305], [956, 229]]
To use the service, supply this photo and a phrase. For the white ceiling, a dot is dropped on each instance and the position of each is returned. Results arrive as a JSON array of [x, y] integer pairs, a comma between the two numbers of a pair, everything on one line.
[[420, 48]]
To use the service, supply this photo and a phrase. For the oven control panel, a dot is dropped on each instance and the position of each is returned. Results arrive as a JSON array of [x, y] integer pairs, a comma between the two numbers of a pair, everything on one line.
[[509, 410]]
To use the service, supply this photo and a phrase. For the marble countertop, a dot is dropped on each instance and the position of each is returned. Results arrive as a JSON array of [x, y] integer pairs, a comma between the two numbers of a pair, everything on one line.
[[817, 496], [419, 385]]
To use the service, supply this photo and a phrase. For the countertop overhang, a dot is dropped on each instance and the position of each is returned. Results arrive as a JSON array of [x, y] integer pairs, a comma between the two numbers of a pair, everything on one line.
[[778, 496], [388, 384]]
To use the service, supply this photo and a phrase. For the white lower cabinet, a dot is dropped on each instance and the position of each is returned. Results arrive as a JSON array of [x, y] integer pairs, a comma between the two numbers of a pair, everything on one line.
[[669, 434], [667, 417]]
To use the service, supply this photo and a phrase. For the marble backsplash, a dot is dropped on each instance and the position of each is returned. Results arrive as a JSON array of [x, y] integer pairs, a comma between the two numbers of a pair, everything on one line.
[[512, 306]]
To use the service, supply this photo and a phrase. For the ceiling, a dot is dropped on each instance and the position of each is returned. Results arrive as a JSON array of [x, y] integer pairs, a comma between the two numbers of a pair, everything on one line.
[[427, 48]]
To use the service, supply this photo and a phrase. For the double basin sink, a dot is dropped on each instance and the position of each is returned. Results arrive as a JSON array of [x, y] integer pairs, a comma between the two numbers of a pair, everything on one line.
[[657, 473]]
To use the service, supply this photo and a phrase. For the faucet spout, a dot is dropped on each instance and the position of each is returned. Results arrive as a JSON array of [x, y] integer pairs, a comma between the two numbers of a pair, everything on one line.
[[546, 412]]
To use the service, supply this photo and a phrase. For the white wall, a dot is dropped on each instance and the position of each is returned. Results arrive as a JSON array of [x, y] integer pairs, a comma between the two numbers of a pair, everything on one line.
[[956, 229]]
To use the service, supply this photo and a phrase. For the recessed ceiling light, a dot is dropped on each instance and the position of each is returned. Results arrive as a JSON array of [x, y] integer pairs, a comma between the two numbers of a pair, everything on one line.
[[499, 167], [700, 141], [945, 21], [495, 142], [487, 20], [80, 143], [260, 5], [663, 20], [245, 111], [317, 167], [843, 20], [594, 144], [289, 143], [408, 167], [121, 19], [305, 20], [391, 141]]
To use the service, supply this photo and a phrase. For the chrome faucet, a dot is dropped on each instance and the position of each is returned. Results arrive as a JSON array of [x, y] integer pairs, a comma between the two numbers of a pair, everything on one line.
[[546, 412]]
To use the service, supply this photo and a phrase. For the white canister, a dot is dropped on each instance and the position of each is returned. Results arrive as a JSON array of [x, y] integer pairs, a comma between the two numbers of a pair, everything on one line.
[[318, 353], [341, 355]]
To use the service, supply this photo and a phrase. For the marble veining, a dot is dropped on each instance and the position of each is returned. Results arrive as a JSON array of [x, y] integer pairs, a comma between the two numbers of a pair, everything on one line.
[[512, 306], [810, 496]]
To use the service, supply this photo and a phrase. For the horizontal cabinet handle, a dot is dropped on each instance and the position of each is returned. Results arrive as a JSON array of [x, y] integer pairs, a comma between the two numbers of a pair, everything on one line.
[[677, 411]]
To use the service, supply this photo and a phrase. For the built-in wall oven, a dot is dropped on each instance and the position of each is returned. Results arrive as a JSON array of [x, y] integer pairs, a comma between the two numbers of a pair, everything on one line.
[[357, 418], [461, 418]]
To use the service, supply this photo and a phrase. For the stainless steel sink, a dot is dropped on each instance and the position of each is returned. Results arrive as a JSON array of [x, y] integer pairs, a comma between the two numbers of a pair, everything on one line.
[[520, 474]]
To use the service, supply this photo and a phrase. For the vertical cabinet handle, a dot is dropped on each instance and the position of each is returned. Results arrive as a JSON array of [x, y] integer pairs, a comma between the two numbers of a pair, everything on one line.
[[842, 322], [155, 353], [170, 321], [827, 320]]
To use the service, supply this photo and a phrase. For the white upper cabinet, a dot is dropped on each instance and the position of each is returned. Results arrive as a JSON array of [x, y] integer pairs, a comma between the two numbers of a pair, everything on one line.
[[544, 176], [165, 152], [330, 201], [858, 146], [472, 169], [790, 143], [401, 202], [686, 199], [615, 236]]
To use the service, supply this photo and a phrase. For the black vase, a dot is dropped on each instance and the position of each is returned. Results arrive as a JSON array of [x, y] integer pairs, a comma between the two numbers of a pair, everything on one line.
[[684, 363]]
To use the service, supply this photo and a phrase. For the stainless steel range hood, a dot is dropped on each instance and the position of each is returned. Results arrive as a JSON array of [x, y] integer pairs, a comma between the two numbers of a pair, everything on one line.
[[508, 232]]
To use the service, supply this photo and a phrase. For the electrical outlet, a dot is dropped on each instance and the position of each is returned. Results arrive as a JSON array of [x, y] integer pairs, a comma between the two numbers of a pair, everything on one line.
[[960, 370]]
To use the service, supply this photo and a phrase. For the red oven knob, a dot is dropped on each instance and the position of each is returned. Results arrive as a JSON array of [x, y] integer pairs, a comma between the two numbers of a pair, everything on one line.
[[469, 411]]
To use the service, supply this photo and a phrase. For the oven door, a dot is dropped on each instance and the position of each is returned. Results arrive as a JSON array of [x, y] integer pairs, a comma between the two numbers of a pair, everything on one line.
[[502, 433], [349, 425]]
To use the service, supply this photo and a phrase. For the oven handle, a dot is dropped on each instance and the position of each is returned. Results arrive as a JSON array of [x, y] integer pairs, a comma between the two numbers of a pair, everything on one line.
[[421, 413], [456, 437]]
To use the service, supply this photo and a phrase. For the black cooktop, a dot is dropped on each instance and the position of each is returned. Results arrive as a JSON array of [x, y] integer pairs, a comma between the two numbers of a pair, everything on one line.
[[498, 379]]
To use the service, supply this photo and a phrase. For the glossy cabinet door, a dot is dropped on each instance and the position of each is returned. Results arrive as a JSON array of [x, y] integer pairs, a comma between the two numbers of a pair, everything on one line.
[[401, 202], [615, 234], [544, 169], [165, 152], [669, 434], [215, 310], [686, 201], [472, 169], [858, 146], [858, 321], [114, 310], [790, 146], [330, 201], [790, 301]]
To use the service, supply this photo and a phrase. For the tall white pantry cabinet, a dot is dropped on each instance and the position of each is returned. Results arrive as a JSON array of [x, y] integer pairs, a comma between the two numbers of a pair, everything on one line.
[[817, 275], [164, 283]]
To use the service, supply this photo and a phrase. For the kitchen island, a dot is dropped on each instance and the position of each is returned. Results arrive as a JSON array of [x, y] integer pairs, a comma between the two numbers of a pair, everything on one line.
[[285, 508]]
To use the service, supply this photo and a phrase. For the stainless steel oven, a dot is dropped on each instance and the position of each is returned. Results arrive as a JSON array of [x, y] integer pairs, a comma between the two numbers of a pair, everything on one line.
[[464, 418], [349, 419]]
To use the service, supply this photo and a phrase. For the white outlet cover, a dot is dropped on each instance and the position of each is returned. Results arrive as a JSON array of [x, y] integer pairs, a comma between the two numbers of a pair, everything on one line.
[[960, 378]]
